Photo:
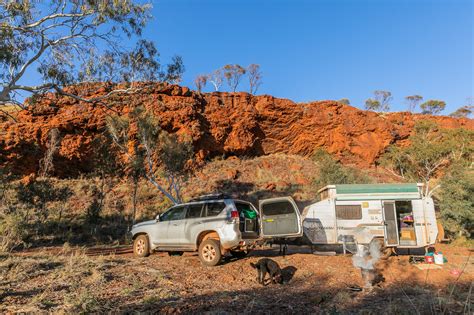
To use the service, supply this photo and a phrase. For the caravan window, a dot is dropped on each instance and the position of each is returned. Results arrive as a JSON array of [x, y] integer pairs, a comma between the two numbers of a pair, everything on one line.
[[348, 212]]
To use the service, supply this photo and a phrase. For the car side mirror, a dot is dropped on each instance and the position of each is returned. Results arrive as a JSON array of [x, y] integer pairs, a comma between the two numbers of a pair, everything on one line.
[[157, 218]]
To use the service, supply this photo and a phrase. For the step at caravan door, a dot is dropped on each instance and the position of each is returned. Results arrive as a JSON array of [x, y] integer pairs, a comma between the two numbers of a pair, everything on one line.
[[391, 223], [280, 217]]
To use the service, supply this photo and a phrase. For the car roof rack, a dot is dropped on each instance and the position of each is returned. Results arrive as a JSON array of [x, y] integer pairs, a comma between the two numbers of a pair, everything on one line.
[[211, 197]]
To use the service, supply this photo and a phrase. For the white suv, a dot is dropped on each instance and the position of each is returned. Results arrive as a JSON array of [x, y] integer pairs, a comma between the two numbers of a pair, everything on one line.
[[216, 225]]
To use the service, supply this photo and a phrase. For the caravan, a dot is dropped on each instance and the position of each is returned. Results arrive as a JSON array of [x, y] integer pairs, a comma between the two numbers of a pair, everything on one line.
[[396, 215]]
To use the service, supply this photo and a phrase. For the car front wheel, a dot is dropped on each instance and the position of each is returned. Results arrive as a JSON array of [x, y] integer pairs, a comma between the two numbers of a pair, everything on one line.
[[141, 246], [210, 252]]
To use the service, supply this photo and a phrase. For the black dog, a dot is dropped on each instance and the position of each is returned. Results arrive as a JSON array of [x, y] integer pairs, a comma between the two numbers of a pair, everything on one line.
[[267, 265]]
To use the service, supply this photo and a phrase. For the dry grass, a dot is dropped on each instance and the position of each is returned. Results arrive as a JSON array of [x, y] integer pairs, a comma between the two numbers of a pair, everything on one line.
[[70, 282]]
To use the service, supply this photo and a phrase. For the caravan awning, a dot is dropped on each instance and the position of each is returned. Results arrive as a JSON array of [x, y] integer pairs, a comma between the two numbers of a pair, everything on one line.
[[377, 191]]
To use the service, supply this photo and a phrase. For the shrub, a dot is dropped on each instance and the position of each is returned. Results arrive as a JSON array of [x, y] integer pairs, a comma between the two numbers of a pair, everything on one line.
[[457, 201], [333, 172]]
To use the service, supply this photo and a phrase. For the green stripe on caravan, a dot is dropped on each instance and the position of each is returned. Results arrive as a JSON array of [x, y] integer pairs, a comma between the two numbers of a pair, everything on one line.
[[376, 188]]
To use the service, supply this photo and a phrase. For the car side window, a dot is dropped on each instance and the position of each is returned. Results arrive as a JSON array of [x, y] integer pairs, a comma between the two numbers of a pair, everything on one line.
[[176, 213], [194, 211], [214, 208]]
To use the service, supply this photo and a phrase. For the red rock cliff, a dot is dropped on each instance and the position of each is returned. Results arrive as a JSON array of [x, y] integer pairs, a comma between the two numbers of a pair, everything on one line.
[[218, 123]]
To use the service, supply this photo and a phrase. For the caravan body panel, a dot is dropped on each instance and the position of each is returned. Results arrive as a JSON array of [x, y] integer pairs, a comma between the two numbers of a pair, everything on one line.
[[395, 212]]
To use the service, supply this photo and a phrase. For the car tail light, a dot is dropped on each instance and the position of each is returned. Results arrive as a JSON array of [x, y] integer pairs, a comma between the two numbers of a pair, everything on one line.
[[234, 216]]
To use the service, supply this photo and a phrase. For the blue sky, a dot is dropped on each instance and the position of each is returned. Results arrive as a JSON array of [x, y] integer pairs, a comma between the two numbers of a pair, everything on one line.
[[327, 49]]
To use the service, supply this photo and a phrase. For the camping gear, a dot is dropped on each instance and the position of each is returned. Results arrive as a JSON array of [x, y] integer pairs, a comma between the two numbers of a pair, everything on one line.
[[249, 213], [324, 253], [427, 266], [429, 258], [438, 258], [416, 259]]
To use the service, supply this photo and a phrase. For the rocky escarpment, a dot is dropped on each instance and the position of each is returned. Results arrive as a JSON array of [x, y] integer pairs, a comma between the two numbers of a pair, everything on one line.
[[218, 123]]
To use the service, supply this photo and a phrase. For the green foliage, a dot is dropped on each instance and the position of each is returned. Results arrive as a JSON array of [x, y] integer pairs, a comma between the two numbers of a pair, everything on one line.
[[384, 98], [255, 77], [432, 152], [380, 102], [200, 81], [413, 101], [456, 200], [25, 210], [175, 70], [332, 172], [371, 104], [345, 101], [233, 75], [463, 112], [151, 151], [432, 107], [431, 149], [68, 42], [174, 153]]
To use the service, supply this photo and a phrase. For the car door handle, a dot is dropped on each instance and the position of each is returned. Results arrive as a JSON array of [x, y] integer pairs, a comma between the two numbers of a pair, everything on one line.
[[175, 224]]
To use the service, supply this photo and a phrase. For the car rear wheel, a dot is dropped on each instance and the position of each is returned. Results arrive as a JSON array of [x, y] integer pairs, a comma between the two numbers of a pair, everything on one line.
[[210, 252], [141, 246]]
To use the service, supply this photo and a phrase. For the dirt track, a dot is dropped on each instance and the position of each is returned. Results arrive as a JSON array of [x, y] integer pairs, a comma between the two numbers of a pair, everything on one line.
[[63, 281]]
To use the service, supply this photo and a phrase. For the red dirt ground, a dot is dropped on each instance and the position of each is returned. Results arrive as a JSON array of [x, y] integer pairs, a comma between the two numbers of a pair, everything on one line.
[[159, 283]]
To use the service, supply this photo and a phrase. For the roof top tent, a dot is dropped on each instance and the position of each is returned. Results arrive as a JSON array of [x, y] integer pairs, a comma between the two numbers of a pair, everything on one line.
[[396, 214]]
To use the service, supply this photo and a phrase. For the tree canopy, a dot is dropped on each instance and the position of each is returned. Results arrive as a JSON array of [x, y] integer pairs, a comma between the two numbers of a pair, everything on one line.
[[380, 102], [431, 150], [151, 152], [70, 41], [413, 101], [432, 107]]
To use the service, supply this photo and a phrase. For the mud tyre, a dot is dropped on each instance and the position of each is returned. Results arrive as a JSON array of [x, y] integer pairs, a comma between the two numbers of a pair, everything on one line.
[[210, 252], [141, 246]]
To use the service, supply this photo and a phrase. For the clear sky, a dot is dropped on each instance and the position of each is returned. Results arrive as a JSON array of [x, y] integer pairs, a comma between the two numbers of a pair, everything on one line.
[[327, 49]]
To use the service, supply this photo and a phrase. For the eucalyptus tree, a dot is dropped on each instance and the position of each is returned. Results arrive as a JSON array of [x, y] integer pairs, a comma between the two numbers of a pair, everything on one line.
[[233, 75], [64, 42], [255, 77], [413, 101], [433, 107]]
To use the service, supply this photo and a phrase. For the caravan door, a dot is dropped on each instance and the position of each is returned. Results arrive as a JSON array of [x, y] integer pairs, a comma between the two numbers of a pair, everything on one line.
[[280, 217], [391, 223]]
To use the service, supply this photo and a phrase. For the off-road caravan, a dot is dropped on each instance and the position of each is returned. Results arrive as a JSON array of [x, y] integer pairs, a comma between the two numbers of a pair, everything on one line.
[[397, 215]]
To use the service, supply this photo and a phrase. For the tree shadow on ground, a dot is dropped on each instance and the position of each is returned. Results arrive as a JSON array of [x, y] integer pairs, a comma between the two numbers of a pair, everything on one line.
[[318, 295]]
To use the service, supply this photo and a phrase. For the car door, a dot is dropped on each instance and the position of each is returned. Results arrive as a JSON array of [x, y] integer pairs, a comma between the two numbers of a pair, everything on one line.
[[175, 220], [280, 217], [194, 223], [158, 235]]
